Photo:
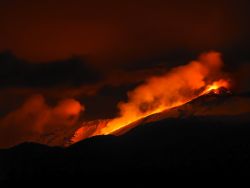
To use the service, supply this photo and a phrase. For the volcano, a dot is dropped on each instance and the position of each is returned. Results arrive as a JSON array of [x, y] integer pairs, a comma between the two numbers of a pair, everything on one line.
[[197, 107], [186, 140]]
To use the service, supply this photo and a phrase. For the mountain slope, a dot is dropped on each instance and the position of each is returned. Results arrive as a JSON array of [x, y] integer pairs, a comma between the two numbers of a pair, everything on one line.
[[193, 145], [187, 140], [209, 104]]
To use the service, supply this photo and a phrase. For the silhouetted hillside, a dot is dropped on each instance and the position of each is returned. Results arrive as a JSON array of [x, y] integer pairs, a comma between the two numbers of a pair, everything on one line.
[[183, 146]]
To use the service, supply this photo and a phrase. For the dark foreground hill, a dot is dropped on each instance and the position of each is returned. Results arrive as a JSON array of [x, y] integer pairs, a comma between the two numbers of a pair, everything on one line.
[[177, 146]]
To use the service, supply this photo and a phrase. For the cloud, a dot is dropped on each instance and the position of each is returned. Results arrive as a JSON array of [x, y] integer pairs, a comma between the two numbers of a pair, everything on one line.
[[69, 78], [36, 117], [72, 72], [174, 88]]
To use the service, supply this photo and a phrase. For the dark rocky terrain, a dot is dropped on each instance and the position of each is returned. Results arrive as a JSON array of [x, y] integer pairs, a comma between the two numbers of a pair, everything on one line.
[[189, 143]]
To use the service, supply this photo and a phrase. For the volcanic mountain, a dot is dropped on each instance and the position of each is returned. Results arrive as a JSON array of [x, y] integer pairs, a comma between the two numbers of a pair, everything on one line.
[[197, 107], [172, 94], [186, 140], [190, 139]]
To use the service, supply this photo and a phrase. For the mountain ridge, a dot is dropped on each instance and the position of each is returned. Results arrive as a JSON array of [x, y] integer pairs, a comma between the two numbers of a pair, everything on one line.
[[182, 141]]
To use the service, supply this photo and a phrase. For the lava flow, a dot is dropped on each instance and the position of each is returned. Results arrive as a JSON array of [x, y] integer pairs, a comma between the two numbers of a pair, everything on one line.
[[119, 123], [175, 88]]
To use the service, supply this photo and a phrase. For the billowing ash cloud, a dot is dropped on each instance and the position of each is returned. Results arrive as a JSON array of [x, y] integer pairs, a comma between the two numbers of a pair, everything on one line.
[[36, 117], [159, 93], [174, 88]]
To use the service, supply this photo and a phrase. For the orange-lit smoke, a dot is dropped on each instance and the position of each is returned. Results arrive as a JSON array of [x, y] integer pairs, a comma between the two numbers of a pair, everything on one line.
[[215, 86], [35, 117], [172, 89]]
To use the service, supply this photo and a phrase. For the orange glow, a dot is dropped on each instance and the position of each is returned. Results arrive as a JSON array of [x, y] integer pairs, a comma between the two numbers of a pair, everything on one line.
[[216, 85], [175, 88], [119, 123]]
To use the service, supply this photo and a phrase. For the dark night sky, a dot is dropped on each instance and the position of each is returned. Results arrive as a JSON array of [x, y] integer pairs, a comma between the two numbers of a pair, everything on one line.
[[119, 31], [95, 51]]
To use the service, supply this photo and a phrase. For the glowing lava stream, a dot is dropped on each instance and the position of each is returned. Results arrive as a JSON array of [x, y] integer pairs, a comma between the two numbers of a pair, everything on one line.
[[215, 86], [176, 87]]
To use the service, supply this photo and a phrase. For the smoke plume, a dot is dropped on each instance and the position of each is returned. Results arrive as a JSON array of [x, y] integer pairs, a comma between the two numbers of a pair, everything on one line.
[[174, 88], [36, 117]]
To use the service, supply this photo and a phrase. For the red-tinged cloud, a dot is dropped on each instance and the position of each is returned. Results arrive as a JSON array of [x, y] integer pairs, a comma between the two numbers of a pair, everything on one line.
[[36, 117]]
